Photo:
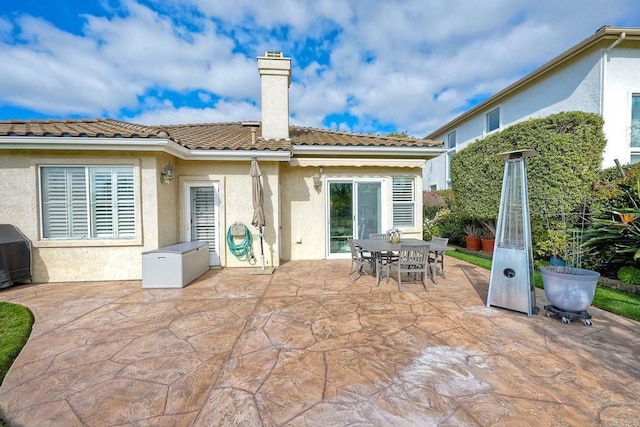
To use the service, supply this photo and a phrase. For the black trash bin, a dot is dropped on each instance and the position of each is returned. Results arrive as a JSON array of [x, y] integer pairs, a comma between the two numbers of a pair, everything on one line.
[[15, 256]]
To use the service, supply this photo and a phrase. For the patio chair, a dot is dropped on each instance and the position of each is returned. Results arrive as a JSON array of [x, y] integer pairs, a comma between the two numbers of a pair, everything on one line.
[[358, 260], [384, 258], [413, 260], [437, 247]]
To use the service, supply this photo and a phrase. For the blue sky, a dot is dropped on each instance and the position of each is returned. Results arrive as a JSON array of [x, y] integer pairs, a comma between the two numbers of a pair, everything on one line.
[[366, 66]]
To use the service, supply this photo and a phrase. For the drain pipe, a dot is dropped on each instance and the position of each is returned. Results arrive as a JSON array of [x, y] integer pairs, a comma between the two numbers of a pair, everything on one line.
[[605, 58], [603, 79]]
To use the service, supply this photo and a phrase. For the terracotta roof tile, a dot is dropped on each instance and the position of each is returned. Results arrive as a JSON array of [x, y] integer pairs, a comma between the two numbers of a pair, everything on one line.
[[106, 128], [312, 136], [204, 136], [221, 136]]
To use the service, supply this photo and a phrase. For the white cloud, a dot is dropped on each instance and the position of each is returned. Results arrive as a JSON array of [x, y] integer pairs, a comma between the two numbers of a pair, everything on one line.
[[410, 63], [164, 113]]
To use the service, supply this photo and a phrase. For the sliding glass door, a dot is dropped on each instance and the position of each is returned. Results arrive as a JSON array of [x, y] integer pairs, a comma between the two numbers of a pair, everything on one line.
[[355, 211]]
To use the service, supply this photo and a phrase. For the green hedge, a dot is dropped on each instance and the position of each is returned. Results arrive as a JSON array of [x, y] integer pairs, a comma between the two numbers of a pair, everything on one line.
[[570, 147]]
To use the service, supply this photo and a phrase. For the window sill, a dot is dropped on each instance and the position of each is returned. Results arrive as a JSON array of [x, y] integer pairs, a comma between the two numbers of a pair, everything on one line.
[[85, 243]]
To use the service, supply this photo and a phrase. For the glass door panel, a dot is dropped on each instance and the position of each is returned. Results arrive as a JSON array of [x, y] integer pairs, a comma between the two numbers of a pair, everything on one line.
[[340, 216], [369, 209], [355, 211]]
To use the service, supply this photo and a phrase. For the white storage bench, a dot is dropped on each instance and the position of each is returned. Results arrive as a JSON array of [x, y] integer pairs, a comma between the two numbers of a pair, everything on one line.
[[174, 266]]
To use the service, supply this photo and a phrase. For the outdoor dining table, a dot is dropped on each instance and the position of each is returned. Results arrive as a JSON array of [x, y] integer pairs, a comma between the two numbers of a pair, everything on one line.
[[377, 247]]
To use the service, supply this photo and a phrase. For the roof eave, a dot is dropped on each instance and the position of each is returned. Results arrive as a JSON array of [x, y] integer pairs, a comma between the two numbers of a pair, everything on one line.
[[603, 33], [136, 144]]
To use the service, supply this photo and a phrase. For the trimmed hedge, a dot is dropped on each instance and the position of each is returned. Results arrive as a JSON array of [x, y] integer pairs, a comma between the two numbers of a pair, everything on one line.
[[570, 147]]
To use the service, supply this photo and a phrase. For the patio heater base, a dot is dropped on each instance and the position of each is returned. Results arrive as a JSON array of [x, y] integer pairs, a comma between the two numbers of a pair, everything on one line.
[[567, 316]]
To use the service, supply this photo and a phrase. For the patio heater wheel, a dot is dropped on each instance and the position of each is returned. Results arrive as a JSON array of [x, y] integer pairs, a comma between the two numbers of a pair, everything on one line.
[[567, 316]]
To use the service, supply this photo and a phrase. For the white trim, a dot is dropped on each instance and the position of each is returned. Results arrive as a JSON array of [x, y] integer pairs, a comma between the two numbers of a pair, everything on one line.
[[377, 151], [357, 162], [187, 186], [486, 120], [135, 144], [385, 207], [87, 164]]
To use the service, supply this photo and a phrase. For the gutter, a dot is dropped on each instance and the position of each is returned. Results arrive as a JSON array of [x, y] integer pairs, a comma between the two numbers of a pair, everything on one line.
[[136, 144], [600, 35]]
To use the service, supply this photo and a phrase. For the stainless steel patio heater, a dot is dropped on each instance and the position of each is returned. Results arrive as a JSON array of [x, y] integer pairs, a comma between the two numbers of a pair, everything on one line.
[[511, 285]]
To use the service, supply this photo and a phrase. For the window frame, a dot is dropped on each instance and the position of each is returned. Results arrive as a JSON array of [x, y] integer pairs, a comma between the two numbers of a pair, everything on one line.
[[412, 202], [133, 165], [487, 118], [635, 96], [452, 136]]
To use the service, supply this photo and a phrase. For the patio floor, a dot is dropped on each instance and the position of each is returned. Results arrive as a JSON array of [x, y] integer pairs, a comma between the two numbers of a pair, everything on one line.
[[307, 346]]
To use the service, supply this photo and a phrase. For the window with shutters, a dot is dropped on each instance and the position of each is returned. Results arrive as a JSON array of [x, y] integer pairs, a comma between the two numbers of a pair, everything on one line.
[[87, 202], [403, 202]]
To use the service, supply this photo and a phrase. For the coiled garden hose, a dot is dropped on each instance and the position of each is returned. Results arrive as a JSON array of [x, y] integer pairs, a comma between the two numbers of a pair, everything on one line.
[[244, 249]]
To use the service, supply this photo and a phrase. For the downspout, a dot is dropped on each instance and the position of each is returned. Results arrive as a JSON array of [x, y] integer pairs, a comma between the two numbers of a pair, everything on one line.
[[603, 68]]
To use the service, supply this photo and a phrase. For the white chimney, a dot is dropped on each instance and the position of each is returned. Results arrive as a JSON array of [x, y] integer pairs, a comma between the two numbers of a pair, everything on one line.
[[275, 78]]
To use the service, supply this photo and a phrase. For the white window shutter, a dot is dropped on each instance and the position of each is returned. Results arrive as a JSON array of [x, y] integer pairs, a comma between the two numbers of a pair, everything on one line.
[[204, 219], [403, 202], [102, 203], [125, 203], [64, 203]]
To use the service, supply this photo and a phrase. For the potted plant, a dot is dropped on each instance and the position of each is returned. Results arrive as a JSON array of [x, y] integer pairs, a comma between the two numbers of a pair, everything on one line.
[[394, 235], [567, 287], [473, 233], [489, 236]]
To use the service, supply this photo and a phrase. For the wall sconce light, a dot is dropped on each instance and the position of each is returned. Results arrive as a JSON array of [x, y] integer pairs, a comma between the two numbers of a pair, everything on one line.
[[166, 176], [317, 181]]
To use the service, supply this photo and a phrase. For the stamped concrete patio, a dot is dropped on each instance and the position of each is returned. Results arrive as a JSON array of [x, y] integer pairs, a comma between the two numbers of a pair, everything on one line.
[[307, 346]]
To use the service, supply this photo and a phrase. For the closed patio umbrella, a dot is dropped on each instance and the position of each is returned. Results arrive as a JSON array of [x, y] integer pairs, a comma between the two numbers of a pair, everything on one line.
[[258, 199]]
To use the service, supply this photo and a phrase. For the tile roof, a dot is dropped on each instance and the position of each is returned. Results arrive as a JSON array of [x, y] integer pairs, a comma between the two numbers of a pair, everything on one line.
[[106, 128], [204, 136]]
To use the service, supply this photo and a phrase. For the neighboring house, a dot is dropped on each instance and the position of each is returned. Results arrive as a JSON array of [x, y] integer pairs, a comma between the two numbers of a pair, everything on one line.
[[599, 75], [93, 195]]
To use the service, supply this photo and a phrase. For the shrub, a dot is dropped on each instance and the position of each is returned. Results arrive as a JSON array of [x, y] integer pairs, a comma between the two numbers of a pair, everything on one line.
[[616, 234], [629, 274], [433, 226], [570, 149]]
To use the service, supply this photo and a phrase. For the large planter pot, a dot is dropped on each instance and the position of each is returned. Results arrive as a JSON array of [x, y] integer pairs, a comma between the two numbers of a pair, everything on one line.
[[569, 288], [473, 243], [487, 245]]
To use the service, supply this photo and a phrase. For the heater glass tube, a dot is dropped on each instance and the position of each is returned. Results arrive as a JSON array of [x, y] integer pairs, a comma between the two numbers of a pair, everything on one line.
[[511, 232]]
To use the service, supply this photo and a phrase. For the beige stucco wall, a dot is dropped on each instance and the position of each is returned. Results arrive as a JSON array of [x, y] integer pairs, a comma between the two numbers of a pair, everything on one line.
[[304, 210], [234, 185], [296, 217], [79, 260]]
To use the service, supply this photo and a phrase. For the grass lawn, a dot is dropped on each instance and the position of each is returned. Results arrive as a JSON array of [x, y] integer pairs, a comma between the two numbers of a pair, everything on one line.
[[15, 326], [618, 302]]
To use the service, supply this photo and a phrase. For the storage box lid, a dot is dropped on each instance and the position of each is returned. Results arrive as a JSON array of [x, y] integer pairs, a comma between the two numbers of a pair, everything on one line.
[[179, 248]]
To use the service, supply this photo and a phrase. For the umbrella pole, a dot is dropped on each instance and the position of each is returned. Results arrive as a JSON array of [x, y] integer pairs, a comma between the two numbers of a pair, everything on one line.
[[261, 249]]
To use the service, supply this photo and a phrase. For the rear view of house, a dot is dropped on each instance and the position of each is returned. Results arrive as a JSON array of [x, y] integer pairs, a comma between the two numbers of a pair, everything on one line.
[[92, 195]]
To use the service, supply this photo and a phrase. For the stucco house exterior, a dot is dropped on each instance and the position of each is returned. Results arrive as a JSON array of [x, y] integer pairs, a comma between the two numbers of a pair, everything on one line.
[[599, 75], [92, 195]]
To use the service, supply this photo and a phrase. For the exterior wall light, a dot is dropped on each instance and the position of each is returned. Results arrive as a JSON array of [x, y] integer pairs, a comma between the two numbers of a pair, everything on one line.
[[317, 181], [166, 175]]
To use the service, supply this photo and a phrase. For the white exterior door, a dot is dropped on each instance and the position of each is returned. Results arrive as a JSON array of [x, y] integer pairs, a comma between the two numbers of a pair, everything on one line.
[[202, 216], [355, 211]]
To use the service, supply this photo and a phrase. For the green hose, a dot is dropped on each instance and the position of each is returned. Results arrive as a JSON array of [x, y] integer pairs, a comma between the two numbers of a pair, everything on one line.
[[243, 250]]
